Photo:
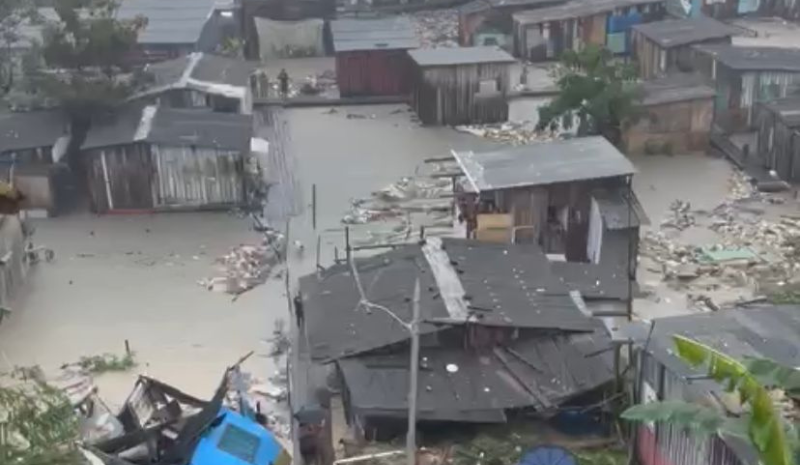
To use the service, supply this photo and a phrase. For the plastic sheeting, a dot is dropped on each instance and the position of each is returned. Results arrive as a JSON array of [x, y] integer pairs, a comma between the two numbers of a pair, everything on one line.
[[284, 39]]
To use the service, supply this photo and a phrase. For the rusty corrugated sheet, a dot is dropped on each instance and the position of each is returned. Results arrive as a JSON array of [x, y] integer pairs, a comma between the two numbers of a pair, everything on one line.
[[375, 72], [198, 177]]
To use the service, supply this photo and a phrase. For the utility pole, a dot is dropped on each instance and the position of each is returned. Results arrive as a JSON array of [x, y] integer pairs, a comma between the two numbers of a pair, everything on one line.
[[411, 435]]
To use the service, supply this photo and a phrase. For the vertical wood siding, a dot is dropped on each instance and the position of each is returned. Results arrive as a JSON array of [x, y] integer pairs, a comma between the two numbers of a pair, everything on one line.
[[778, 144], [120, 178], [197, 177], [378, 72], [448, 95]]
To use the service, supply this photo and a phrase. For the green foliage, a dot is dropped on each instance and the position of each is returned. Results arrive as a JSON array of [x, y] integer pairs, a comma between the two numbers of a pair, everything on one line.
[[41, 427], [84, 56], [595, 90], [13, 15], [769, 433], [107, 362]]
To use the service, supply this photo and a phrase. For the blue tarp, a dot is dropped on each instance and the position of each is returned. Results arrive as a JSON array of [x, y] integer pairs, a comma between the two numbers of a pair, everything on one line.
[[238, 440]]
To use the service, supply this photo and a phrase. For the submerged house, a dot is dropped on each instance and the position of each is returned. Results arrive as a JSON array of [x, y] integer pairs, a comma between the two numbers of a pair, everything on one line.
[[180, 27], [676, 116], [664, 47], [151, 158], [499, 333], [466, 85], [35, 144], [778, 125], [201, 80], [371, 55], [745, 76], [545, 33], [573, 198], [769, 332], [489, 22]]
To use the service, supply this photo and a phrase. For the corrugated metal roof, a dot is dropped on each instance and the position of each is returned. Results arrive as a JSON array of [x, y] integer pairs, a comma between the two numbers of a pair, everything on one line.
[[676, 88], [166, 126], [204, 67], [483, 5], [754, 58], [225, 131], [538, 372], [575, 9], [170, 22], [460, 56], [788, 109], [373, 34], [593, 281], [544, 163], [503, 285], [677, 32], [31, 129]]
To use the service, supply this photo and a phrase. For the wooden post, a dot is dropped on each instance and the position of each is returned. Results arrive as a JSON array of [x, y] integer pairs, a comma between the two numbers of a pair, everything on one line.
[[347, 250], [127, 348], [314, 206], [411, 435], [319, 245]]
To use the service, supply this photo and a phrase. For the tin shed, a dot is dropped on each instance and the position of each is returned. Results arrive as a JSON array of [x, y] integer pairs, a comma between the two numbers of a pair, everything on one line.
[[664, 47], [466, 85], [745, 76], [149, 158], [371, 56], [778, 125], [545, 33]]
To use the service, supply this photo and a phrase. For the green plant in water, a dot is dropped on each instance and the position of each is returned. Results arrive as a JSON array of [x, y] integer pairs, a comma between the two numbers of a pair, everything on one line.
[[38, 427], [763, 425], [107, 362]]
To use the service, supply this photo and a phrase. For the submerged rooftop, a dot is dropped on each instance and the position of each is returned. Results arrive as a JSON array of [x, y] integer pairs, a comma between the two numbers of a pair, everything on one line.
[[460, 56]]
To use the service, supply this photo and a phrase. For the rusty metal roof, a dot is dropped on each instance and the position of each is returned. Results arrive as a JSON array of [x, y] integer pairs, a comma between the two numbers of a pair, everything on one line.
[[542, 163]]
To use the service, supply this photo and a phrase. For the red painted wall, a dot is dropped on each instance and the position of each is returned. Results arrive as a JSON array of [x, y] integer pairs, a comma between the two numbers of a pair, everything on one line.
[[374, 72]]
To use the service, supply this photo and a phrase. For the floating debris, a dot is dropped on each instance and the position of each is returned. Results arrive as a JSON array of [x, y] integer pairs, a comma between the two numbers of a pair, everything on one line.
[[510, 132], [437, 28], [247, 266]]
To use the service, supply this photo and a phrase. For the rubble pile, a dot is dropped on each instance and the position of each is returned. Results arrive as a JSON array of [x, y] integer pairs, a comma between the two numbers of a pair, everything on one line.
[[247, 266], [510, 133], [408, 195], [323, 85], [753, 250], [437, 28]]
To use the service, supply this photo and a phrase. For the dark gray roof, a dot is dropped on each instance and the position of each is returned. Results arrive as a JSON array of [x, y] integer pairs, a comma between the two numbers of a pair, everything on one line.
[[677, 32], [204, 67], [754, 58], [459, 56], [593, 281], [31, 129], [373, 34], [536, 371], [500, 285], [172, 127], [788, 109], [169, 22], [544, 163], [575, 9], [676, 88], [225, 131]]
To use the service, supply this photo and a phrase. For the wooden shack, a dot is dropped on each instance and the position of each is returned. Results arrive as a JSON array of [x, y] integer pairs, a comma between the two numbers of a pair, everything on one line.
[[371, 55], [676, 117], [571, 197], [466, 85], [664, 47], [545, 33], [745, 76], [150, 158], [489, 22], [778, 125]]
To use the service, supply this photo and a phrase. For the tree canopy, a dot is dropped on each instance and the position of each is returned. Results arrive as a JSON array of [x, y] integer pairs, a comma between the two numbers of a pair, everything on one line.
[[13, 16], [84, 55], [596, 92]]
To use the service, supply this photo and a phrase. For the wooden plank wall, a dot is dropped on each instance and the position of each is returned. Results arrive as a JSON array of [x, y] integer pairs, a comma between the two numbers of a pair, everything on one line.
[[129, 181], [197, 177], [447, 95]]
